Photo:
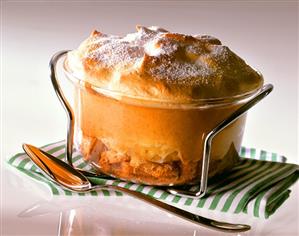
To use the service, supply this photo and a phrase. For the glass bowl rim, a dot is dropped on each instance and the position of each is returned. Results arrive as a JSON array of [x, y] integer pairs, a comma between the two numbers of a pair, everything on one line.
[[155, 102]]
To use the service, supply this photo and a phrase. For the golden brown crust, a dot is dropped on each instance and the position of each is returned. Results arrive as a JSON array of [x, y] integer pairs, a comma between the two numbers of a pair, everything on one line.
[[156, 64]]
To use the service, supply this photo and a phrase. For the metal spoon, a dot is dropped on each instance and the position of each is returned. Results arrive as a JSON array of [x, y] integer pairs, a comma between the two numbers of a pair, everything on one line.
[[68, 177]]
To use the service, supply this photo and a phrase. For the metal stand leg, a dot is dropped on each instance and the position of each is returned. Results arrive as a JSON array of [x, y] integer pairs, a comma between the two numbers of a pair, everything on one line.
[[65, 104], [208, 141]]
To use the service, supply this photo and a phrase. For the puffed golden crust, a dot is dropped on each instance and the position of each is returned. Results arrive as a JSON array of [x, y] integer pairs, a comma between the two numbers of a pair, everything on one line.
[[156, 64]]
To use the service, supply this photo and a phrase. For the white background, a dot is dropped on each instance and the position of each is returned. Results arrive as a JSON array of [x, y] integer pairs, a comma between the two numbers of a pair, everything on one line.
[[264, 33]]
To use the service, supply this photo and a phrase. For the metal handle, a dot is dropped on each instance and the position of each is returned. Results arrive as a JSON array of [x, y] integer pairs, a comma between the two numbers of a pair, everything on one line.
[[65, 104], [208, 141]]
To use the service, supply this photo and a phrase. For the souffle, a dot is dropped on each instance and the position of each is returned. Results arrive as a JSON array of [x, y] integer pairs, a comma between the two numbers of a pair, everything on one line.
[[145, 102]]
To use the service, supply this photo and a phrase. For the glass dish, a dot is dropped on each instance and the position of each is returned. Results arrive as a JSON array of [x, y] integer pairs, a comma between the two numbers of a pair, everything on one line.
[[154, 142]]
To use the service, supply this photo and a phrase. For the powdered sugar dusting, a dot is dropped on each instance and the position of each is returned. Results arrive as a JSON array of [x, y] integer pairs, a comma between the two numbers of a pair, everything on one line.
[[173, 58], [180, 73]]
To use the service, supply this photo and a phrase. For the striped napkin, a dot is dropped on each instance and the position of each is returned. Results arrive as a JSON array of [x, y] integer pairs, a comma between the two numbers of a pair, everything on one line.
[[257, 186]]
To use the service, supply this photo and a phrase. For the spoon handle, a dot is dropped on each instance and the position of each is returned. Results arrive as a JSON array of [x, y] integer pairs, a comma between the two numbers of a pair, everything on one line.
[[74, 180], [199, 220]]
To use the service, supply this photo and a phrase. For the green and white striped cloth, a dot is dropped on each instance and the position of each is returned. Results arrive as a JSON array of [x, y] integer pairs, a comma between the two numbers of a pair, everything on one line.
[[257, 186]]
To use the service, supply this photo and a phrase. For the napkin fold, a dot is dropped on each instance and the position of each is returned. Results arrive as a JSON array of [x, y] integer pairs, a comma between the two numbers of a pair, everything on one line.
[[257, 186]]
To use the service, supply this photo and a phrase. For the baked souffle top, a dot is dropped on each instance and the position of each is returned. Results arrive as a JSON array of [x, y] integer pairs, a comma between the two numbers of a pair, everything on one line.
[[154, 63]]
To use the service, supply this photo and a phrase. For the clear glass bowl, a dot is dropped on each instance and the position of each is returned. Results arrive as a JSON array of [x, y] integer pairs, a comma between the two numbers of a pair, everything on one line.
[[153, 142]]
